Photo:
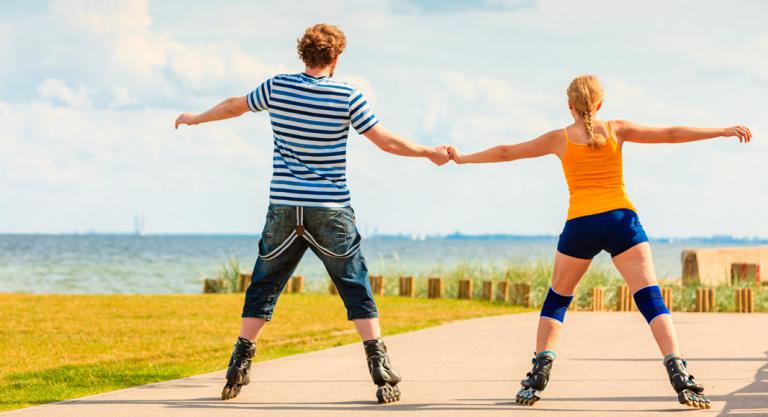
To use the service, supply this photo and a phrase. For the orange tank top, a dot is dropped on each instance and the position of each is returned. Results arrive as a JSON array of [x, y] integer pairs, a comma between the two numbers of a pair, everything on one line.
[[595, 177]]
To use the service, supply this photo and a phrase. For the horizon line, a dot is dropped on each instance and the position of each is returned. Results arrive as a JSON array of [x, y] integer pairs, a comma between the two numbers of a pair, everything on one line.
[[396, 236]]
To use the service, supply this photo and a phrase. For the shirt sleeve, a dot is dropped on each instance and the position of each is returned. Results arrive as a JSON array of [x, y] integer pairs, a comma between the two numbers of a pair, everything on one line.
[[361, 116], [258, 99]]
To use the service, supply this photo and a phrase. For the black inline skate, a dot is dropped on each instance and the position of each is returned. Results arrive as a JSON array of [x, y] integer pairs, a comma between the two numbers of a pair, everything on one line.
[[537, 379], [239, 368], [381, 371], [689, 392]]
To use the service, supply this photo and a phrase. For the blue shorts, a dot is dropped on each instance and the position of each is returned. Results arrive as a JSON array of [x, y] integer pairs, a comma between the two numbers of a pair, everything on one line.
[[613, 231]]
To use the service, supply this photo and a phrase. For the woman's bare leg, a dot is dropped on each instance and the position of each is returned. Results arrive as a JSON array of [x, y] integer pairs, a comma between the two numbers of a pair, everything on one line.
[[566, 275], [636, 266]]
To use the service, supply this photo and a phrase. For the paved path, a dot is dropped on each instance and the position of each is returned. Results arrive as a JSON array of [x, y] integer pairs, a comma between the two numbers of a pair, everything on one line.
[[608, 366]]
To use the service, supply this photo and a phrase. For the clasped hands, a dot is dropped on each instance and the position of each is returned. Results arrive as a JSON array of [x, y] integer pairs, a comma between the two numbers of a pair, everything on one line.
[[440, 155]]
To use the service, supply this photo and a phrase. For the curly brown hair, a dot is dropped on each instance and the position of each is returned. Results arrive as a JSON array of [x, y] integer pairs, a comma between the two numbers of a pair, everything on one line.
[[321, 44]]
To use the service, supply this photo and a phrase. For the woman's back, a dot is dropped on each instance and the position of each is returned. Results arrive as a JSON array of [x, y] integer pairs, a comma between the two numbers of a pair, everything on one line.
[[593, 173]]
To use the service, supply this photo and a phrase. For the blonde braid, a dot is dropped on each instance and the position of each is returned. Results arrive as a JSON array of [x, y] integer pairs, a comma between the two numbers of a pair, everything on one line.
[[595, 140], [584, 94]]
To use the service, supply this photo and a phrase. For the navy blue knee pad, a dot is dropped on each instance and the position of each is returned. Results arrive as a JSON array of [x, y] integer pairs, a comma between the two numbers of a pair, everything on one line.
[[555, 305], [650, 302]]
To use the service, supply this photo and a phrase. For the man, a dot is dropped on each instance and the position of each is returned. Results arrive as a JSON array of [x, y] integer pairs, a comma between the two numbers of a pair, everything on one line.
[[309, 206]]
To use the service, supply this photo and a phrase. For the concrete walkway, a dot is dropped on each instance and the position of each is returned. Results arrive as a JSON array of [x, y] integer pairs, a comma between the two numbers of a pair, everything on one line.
[[607, 366]]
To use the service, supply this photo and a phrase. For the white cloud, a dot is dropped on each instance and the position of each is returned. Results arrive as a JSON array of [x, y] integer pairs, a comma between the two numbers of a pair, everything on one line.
[[86, 119], [56, 90]]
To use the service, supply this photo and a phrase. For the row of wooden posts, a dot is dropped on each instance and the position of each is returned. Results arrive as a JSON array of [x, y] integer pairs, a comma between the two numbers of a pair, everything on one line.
[[518, 293]]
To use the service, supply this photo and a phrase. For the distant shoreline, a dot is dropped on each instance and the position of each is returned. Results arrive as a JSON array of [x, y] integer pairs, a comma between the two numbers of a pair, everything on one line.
[[724, 239]]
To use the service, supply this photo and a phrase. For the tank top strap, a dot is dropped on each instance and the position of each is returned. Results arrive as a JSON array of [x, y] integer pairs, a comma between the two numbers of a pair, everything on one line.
[[608, 129], [565, 131]]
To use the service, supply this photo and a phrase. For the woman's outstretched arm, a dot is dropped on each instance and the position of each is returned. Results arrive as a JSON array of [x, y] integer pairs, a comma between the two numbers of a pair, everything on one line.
[[548, 143], [632, 132]]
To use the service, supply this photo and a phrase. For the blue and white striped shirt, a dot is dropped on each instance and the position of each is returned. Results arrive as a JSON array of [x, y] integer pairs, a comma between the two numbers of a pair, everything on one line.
[[310, 121]]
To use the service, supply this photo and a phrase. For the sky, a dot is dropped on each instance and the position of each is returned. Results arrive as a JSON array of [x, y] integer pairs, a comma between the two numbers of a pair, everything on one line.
[[89, 91]]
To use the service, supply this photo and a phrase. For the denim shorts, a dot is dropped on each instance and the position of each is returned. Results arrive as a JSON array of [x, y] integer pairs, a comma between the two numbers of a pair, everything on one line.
[[332, 228], [613, 231]]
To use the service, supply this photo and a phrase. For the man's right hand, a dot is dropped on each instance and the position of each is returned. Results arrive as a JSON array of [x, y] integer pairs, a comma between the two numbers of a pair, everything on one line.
[[186, 119], [439, 155]]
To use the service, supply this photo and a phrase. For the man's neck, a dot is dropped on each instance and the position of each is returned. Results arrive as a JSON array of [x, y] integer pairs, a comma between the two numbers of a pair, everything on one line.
[[319, 72]]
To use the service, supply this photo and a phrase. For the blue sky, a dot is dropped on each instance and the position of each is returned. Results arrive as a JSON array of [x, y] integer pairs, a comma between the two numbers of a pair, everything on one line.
[[89, 92]]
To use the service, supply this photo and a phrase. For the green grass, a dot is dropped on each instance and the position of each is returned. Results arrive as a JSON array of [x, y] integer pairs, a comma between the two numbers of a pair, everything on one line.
[[55, 347]]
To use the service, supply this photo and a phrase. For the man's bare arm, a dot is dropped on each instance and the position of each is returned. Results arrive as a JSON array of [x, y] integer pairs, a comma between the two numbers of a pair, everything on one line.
[[398, 145], [227, 109]]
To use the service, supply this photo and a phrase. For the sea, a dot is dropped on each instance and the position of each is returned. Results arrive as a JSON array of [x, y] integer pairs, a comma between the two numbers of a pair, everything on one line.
[[161, 264]]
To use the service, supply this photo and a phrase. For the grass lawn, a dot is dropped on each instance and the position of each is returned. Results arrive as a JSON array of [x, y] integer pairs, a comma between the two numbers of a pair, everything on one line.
[[55, 347]]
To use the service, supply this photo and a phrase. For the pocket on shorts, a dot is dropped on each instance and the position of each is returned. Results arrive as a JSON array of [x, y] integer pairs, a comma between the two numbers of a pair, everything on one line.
[[279, 224], [335, 230]]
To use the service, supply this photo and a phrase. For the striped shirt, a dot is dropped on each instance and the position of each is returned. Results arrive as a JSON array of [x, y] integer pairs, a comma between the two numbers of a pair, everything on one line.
[[310, 121]]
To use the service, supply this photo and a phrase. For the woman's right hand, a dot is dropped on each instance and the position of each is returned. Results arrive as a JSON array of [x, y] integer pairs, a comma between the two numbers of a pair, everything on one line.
[[455, 154], [742, 132]]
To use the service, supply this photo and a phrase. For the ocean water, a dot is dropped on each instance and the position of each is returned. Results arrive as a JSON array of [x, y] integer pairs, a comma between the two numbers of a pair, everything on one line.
[[178, 263]]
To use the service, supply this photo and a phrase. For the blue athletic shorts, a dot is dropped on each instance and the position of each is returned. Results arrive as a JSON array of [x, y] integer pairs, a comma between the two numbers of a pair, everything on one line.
[[613, 231]]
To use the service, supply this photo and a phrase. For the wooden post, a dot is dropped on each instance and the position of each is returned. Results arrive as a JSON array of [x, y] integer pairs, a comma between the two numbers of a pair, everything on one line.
[[699, 300], [435, 287], [574, 304], [705, 300], [213, 285], [377, 284], [522, 294], [465, 289], [597, 295], [243, 281], [503, 294], [332, 288], [666, 294], [297, 284], [407, 287], [624, 300], [745, 300], [488, 290]]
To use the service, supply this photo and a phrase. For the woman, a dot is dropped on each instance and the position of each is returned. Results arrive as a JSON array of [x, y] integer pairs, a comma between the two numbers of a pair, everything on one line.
[[601, 217]]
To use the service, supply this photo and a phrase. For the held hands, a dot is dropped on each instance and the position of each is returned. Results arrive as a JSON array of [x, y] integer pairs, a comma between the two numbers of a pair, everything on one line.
[[742, 132], [186, 119], [455, 154], [439, 155]]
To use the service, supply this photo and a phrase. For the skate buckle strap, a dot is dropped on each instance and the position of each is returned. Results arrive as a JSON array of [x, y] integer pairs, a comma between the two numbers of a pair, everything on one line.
[[301, 231]]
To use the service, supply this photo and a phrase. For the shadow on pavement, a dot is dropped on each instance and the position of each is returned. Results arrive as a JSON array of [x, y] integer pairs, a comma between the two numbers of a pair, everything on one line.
[[216, 404], [750, 399]]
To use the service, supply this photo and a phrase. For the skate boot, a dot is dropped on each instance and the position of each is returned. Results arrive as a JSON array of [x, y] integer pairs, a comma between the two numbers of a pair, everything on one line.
[[689, 392], [239, 368], [381, 371], [537, 379]]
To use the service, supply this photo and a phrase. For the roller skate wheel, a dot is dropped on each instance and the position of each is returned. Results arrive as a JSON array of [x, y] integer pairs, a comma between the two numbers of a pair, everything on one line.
[[692, 399], [230, 391], [387, 394], [526, 396]]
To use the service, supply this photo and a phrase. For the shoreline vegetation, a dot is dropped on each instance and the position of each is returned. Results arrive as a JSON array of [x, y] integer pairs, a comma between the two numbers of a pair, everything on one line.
[[538, 276], [57, 347]]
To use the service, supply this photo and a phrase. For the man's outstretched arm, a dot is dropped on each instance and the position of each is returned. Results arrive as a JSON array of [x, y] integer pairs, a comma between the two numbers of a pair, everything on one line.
[[398, 145], [227, 109]]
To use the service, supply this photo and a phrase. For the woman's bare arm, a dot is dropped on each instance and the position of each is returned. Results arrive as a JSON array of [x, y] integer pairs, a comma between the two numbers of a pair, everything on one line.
[[632, 132], [548, 143]]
